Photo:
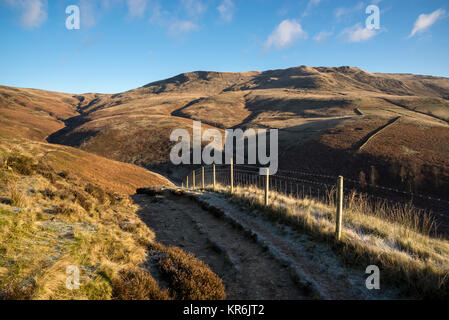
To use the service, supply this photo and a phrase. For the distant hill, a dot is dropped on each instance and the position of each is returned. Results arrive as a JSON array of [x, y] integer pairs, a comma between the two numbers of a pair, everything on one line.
[[322, 113]]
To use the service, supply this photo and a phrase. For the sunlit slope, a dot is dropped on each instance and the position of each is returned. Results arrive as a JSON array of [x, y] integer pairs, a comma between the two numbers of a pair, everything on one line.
[[111, 175], [34, 114], [326, 111]]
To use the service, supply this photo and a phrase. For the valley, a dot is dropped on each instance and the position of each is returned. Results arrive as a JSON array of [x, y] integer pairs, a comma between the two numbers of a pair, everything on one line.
[[323, 115]]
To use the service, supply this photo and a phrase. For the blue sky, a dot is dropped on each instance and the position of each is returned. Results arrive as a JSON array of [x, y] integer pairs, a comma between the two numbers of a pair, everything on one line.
[[124, 44]]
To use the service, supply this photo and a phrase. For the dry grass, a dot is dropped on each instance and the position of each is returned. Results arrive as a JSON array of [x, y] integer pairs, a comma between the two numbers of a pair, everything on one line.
[[17, 196], [394, 238], [404, 215], [39, 242], [37, 110], [137, 284], [58, 162], [65, 220], [190, 278], [21, 164]]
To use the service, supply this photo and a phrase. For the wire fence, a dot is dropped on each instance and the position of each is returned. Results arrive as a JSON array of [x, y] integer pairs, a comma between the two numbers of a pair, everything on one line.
[[320, 187]]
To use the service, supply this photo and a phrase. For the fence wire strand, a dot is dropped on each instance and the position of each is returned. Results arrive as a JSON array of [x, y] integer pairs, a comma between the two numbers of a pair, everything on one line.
[[301, 184]]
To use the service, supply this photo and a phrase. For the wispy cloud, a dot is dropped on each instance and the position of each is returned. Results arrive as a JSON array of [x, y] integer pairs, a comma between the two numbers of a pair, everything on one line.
[[342, 12], [156, 12], [93, 10], [358, 33], [226, 10], [323, 36], [286, 34], [310, 5], [89, 14], [193, 8], [180, 22], [178, 27], [425, 21], [33, 12], [136, 8]]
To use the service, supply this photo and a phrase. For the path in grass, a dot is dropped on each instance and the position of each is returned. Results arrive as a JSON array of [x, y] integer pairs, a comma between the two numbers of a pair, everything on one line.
[[313, 263], [247, 270]]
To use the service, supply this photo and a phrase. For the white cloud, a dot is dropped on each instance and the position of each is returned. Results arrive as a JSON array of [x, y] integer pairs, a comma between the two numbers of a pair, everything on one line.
[[286, 33], [310, 5], [341, 12], [226, 9], [33, 12], [323, 36], [425, 21], [357, 33], [136, 8]]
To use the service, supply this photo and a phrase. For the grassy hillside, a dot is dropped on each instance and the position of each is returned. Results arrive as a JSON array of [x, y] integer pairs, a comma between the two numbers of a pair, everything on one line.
[[62, 207], [108, 174], [34, 114], [326, 111]]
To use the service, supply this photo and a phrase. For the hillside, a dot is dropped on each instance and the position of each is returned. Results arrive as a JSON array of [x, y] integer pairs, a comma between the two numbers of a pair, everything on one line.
[[34, 114], [108, 174], [322, 113], [62, 208]]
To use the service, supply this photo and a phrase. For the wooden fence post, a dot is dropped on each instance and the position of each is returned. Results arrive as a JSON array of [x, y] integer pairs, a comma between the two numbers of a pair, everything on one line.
[[202, 178], [232, 175], [339, 207], [214, 175], [193, 180], [267, 186]]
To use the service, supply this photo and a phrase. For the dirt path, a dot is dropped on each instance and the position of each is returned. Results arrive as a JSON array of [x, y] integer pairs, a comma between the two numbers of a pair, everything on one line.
[[247, 270], [313, 263]]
